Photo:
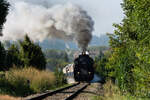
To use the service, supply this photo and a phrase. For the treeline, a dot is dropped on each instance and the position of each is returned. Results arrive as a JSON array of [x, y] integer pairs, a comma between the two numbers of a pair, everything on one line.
[[128, 62], [25, 55], [56, 61], [56, 58]]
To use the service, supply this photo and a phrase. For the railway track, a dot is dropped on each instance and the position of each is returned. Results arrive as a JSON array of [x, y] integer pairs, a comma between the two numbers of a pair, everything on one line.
[[67, 93]]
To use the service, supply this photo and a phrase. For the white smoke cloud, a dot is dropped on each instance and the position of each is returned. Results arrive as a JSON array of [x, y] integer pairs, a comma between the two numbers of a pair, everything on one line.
[[64, 21]]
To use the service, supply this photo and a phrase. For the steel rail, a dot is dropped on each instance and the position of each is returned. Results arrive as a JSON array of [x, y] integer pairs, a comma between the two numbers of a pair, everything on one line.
[[44, 95], [77, 92]]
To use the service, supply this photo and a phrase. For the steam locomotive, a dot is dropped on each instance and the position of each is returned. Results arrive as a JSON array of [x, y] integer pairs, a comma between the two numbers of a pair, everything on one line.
[[83, 68]]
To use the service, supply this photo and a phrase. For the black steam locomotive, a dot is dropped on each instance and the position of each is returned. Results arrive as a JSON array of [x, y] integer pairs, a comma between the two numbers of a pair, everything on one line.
[[83, 68]]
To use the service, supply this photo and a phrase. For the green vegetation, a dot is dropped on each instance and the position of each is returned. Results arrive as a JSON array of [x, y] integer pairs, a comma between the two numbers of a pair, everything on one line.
[[18, 78], [31, 54], [128, 62], [2, 56], [27, 54], [112, 92], [100, 64], [130, 45], [56, 59], [22, 82], [12, 57], [3, 12], [99, 48]]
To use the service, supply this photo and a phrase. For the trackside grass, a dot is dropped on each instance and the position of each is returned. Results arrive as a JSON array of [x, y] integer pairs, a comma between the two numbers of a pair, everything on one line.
[[112, 92], [26, 81]]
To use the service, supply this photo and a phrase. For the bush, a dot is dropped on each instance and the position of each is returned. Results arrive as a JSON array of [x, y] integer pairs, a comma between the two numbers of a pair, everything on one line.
[[42, 80], [60, 77], [5, 86], [18, 84]]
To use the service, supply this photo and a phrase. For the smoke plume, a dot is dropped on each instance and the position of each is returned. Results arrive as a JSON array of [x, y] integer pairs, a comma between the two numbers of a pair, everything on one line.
[[66, 21]]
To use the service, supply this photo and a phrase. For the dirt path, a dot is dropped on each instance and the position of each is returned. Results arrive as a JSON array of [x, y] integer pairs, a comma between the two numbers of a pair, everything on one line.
[[6, 97]]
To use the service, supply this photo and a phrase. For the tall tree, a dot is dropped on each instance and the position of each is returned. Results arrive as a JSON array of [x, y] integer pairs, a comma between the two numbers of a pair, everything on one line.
[[12, 57], [31, 54], [2, 57], [4, 6]]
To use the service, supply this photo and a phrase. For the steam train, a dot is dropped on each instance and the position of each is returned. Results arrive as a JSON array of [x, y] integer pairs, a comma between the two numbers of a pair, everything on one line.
[[82, 70]]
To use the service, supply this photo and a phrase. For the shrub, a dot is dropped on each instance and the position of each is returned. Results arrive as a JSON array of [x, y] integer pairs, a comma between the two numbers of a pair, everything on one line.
[[5, 86], [18, 83], [42, 80], [60, 77]]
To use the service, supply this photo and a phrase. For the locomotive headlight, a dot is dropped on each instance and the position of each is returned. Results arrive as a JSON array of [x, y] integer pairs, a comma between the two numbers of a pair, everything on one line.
[[78, 72], [89, 72]]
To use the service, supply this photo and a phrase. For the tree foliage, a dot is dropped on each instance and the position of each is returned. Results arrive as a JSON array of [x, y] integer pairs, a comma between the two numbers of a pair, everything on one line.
[[12, 57], [31, 54], [27, 54], [56, 54], [56, 58], [130, 45], [4, 6], [2, 56]]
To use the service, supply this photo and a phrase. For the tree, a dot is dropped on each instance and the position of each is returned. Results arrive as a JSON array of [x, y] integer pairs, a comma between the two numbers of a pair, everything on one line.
[[12, 57], [31, 54], [130, 44], [2, 57], [3, 12]]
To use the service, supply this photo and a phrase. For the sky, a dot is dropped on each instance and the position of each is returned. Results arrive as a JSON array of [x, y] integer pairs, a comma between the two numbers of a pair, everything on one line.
[[103, 12]]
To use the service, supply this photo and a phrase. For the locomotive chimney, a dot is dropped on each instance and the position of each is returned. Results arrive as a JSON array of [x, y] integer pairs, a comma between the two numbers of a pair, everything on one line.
[[84, 52]]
